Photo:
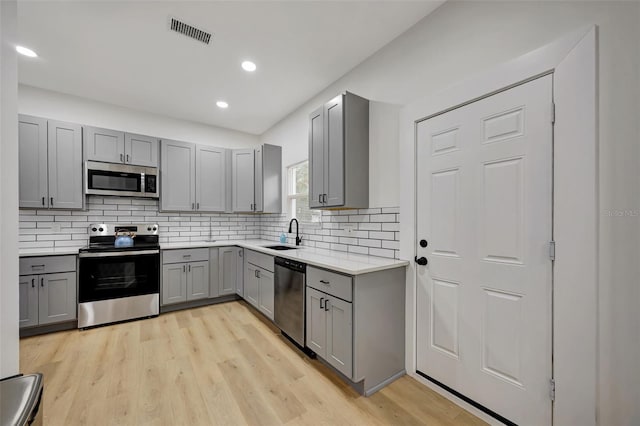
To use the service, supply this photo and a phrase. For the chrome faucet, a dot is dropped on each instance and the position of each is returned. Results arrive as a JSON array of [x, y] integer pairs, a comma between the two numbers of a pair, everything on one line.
[[298, 238]]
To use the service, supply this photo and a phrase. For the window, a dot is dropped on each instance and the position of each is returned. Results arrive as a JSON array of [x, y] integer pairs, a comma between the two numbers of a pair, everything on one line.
[[298, 194]]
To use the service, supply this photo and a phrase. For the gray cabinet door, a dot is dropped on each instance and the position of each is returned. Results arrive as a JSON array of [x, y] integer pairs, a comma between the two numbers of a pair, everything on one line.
[[65, 165], [258, 178], [197, 280], [334, 152], [104, 145], [140, 150], [316, 322], [339, 335], [28, 300], [214, 272], [57, 298], [266, 292], [174, 283], [177, 185], [210, 179], [243, 180], [240, 271], [316, 158], [251, 284], [32, 163], [228, 258]]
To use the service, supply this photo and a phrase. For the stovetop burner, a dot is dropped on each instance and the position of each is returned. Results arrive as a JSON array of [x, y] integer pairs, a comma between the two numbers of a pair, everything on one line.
[[102, 237]]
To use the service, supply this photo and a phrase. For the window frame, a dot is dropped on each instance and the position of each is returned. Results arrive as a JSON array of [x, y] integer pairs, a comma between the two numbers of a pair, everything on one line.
[[290, 186]]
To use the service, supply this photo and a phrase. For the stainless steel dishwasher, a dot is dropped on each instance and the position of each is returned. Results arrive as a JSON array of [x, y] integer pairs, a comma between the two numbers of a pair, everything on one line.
[[289, 301]]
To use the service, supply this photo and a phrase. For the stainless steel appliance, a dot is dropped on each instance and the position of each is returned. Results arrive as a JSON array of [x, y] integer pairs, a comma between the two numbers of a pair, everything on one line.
[[119, 283], [21, 402], [121, 180], [289, 301]]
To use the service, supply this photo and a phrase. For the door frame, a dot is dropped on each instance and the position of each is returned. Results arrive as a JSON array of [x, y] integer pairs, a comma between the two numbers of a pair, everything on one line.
[[573, 62]]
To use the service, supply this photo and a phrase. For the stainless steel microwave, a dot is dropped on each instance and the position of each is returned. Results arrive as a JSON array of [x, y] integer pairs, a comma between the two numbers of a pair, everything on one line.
[[120, 179]]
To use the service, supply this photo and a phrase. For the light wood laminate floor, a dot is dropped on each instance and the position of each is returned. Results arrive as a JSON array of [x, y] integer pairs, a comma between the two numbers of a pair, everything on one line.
[[219, 364]]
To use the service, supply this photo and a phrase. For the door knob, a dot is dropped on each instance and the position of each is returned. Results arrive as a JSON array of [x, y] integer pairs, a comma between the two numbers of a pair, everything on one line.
[[421, 261], [423, 243]]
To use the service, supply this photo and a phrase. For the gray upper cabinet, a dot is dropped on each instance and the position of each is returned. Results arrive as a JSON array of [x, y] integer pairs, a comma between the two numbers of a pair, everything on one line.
[[140, 150], [339, 153], [193, 177], [34, 179], [47, 289], [103, 145], [177, 175], [50, 163], [257, 179], [243, 180], [210, 178], [65, 165], [112, 146]]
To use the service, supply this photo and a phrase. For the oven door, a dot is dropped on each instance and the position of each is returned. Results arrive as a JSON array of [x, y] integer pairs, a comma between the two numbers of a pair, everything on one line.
[[113, 275]]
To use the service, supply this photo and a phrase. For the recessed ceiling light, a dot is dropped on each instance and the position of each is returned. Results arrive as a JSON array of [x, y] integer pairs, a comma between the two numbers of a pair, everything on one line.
[[222, 104], [249, 66], [26, 51]]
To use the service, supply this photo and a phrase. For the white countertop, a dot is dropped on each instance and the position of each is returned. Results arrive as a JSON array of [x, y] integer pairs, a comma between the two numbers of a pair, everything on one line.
[[347, 263], [49, 251]]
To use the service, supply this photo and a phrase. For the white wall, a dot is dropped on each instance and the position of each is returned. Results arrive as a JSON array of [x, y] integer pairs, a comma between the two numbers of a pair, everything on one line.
[[60, 106], [463, 38], [8, 192]]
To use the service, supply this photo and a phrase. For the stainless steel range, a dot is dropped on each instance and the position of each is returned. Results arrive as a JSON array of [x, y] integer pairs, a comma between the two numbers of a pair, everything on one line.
[[119, 283]]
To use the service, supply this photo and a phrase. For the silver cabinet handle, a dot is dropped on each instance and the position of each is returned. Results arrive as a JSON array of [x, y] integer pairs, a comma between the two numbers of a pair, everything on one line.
[[197, 206], [121, 158], [326, 305], [258, 273], [184, 268], [127, 158], [320, 198], [43, 201], [325, 282], [193, 206], [41, 282], [33, 282], [324, 198], [51, 201], [321, 301], [189, 267]]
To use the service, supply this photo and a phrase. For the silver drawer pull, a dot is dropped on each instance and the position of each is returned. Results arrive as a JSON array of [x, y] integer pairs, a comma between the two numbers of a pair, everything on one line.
[[325, 282], [37, 266], [186, 256]]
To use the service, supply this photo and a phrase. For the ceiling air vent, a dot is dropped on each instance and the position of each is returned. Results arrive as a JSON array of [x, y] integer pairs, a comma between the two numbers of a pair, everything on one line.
[[189, 31]]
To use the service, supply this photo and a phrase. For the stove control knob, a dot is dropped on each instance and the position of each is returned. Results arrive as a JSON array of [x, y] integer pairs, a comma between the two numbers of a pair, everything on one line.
[[100, 229], [94, 229], [149, 228]]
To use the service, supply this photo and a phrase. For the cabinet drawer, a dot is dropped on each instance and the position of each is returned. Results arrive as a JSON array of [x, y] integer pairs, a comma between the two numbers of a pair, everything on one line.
[[259, 259], [335, 284], [47, 264], [188, 255]]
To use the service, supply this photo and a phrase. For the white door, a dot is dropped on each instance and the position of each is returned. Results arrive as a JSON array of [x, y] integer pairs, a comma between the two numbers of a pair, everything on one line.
[[484, 207]]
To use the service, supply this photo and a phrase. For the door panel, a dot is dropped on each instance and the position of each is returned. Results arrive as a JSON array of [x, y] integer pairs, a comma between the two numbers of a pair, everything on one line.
[[174, 283], [243, 180], [334, 152], [57, 298], [197, 280], [316, 158], [28, 300], [266, 292], [32, 145], [484, 205], [104, 145], [316, 322], [177, 187], [65, 165], [228, 257], [340, 336], [141, 150], [258, 180], [251, 285], [211, 179], [239, 271]]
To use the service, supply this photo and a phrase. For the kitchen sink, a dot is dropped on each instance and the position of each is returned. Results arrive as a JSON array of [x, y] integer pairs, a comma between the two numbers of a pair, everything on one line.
[[280, 247]]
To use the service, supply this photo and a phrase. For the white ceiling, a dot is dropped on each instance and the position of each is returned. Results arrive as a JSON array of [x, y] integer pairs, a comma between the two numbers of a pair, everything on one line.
[[123, 53]]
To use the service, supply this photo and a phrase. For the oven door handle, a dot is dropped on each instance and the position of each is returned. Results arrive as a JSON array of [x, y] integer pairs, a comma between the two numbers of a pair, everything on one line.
[[117, 253]]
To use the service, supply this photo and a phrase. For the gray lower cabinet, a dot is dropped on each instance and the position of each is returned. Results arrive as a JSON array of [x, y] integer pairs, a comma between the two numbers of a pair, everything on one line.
[[330, 329], [259, 285], [339, 153], [185, 275], [228, 270], [356, 324], [193, 177], [50, 296], [240, 272], [50, 163]]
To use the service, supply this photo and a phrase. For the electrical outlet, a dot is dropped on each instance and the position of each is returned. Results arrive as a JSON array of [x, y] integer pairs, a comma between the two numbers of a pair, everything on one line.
[[348, 229]]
